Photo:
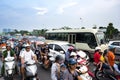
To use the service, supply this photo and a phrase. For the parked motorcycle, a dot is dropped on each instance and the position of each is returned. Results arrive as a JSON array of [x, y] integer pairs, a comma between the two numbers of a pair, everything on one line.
[[31, 70], [9, 67]]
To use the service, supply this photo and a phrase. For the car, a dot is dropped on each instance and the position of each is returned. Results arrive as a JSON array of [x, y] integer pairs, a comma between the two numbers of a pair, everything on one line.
[[58, 48], [116, 44]]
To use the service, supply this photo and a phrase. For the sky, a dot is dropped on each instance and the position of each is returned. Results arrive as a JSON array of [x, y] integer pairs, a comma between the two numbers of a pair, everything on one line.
[[49, 14]]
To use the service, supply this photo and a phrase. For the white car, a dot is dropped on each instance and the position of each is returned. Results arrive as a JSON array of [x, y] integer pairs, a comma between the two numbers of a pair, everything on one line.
[[116, 44], [58, 48]]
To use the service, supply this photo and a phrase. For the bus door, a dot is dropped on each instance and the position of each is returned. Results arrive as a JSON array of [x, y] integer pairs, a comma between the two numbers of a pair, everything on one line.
[[72, 38]]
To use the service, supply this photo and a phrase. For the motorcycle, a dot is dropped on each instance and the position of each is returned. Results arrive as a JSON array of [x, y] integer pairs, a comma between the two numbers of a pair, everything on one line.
[[104, 74], [47, 61], [31, 70], [9, 67], [83, 71], [84, 74]]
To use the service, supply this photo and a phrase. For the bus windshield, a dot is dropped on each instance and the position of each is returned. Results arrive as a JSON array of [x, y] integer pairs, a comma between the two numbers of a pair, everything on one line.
[[101, 38]]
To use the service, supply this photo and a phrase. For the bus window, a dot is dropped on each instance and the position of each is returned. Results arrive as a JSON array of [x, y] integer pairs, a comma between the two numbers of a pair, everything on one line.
[[87, 38]]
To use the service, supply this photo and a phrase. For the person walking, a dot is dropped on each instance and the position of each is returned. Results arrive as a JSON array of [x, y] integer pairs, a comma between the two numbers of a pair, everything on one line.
[[55, 69]]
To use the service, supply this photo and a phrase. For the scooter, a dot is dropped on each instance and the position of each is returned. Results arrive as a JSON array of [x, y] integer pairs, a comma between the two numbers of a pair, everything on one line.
[[82, 69], [31, 70], [83, 72], [9, 67]]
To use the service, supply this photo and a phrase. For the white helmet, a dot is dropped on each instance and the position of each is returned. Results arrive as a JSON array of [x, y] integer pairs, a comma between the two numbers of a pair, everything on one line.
[[27, 45], [81, 54], [97, 48], [73, 54]]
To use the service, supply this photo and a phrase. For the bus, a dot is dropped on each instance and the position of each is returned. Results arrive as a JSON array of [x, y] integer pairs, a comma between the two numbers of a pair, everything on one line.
[[84, 39]]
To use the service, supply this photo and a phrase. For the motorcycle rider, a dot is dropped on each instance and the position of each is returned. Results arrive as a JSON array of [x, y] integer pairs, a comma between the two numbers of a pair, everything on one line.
[[71, 73], [25, 56], [97, 55], [7, 53], [111, 57]]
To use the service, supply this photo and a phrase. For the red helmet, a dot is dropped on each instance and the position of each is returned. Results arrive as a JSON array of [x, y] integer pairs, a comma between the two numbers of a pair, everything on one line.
[[70, 48]]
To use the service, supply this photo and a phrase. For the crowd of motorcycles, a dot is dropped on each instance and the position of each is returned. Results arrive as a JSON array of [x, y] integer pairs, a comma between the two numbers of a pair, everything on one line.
[[45, 59]]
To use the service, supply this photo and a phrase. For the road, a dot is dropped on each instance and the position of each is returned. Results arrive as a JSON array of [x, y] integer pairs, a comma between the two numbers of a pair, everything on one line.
[[42, 74], [45, 74]]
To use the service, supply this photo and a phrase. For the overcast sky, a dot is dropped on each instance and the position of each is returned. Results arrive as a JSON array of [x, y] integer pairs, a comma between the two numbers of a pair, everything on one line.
[[39, 14]]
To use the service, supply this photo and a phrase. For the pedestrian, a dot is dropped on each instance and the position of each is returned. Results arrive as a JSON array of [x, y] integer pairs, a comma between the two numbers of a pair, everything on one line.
[[63, 67], [55, 69]]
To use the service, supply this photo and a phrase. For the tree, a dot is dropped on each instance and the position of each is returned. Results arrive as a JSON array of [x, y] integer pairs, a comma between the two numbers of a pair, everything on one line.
[[82, 27], [24, 32], [65, 28], [111, 31]]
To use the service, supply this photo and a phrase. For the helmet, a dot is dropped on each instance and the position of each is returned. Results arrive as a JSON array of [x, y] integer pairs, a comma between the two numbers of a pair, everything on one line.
[[111, 47], [8, 44], [72, 61], [105, 51], [73, 54], [27, 45], [63, 65], [70, 48], [58, 58], [97, 48], [81, 54]]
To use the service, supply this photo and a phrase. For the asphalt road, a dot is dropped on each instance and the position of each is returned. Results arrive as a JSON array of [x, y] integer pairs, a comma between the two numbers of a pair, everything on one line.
[[42, 74], [45, 74]]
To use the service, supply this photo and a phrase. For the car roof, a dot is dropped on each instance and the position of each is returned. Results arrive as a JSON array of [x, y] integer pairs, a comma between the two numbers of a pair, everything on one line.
[[114, 41]]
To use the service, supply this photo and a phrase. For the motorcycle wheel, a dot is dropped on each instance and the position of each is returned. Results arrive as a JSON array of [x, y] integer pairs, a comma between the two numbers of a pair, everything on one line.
[[99, 75]]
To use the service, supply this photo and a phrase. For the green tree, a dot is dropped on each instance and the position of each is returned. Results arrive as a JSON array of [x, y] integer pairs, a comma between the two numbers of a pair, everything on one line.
[[82, 27], [111, 31], [24, 32]]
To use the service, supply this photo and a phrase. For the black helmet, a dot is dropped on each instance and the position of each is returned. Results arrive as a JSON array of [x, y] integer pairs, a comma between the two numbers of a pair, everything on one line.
[[105, 52], [58, 58]]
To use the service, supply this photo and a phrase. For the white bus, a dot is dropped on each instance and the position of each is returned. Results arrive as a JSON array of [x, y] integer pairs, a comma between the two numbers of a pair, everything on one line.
[[84, 39]]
